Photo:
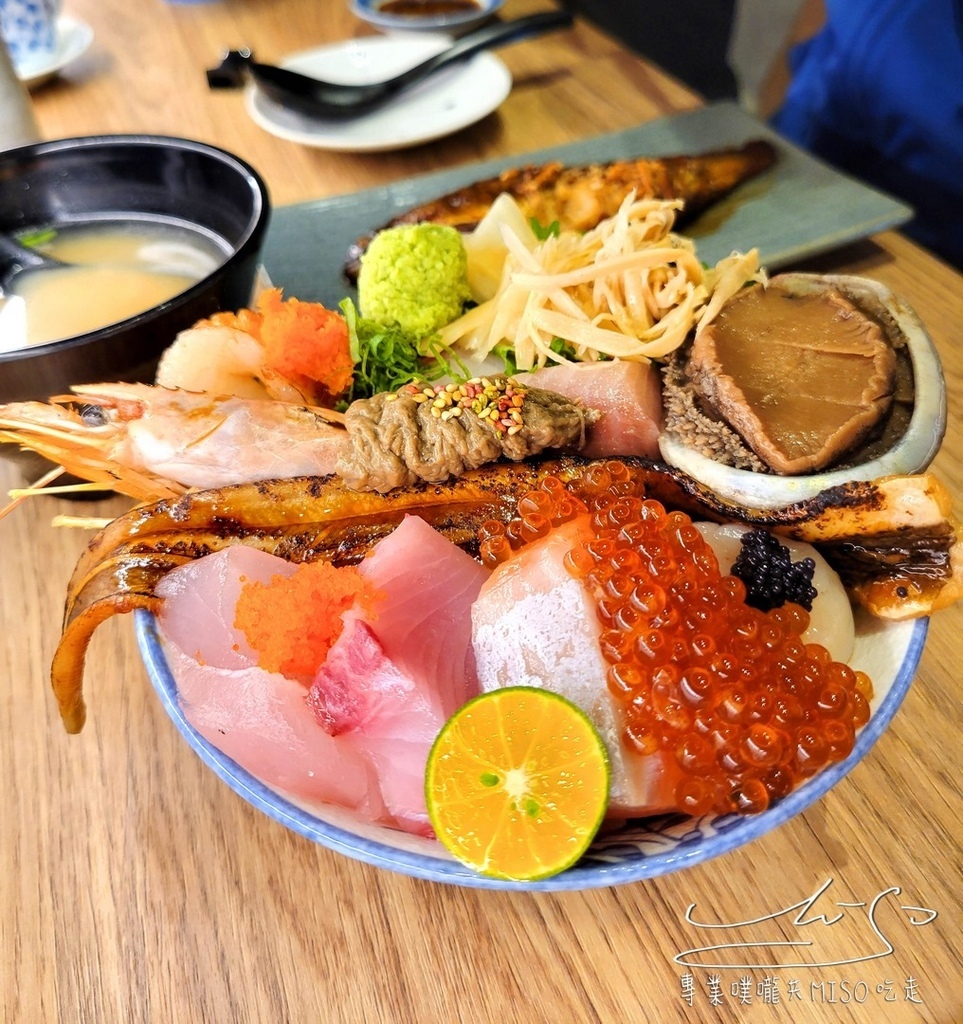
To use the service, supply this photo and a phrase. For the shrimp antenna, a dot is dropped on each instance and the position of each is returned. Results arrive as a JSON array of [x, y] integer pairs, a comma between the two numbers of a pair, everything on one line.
[[22, 493]]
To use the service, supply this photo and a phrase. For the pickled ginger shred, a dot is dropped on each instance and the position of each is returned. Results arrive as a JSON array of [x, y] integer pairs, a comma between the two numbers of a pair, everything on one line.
[[628, 289]]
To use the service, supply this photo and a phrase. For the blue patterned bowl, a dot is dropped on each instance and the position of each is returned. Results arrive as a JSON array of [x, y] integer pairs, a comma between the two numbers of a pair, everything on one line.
[[29, 29], [888, 652]]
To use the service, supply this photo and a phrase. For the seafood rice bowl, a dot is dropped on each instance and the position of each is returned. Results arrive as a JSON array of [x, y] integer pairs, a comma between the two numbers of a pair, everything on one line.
[[355, 526]]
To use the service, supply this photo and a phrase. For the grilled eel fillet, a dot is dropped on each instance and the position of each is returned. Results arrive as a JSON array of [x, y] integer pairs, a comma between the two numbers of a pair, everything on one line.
[[579, 197], [893, 541]]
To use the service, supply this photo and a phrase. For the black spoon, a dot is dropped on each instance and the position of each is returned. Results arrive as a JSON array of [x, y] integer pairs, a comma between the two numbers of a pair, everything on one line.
[[316, 98], [16, 258]]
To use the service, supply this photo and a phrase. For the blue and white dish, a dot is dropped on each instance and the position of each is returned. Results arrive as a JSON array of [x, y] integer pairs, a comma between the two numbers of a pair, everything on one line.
[[888, 652], [454, 22], [72, 40], [28, 29]]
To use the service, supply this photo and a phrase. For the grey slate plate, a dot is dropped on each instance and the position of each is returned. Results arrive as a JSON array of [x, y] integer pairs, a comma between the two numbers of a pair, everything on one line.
[[797, 209]]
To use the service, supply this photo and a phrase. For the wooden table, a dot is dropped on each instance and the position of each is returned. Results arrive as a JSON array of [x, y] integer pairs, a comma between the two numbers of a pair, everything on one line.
[[134, 886]]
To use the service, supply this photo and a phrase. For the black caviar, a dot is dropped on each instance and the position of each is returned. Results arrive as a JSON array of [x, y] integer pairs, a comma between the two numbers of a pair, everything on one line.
[[771, 577]]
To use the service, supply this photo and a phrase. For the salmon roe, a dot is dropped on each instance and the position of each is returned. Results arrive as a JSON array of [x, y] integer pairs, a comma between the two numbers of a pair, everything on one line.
[[733, 694]]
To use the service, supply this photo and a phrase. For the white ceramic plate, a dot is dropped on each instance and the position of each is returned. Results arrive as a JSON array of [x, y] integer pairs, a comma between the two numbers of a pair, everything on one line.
[[888, 652], [370, 11], [73, 38], [453, 98]]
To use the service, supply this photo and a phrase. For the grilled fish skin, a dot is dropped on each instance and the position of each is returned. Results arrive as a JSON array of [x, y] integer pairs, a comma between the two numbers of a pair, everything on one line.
[[899, 551], [580, 197]]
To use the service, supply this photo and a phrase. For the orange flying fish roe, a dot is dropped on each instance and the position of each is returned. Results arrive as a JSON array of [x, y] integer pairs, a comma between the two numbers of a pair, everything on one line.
[[292, 621], [301, 339], [745, 706], [306, 339]]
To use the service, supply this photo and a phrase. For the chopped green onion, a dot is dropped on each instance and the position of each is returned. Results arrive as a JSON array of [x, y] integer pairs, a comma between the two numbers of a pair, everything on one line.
[[386, 357], [31, 239]]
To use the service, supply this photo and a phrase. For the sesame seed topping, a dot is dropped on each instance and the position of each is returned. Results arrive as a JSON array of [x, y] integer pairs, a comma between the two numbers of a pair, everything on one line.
[[497, 401]]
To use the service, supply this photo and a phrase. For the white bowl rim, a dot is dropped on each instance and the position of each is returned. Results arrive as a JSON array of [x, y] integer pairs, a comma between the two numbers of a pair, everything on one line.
[[368, 10]]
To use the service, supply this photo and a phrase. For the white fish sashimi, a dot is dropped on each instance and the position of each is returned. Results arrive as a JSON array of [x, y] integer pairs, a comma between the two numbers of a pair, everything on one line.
[[360, 736], [261, 720], [199, 601]]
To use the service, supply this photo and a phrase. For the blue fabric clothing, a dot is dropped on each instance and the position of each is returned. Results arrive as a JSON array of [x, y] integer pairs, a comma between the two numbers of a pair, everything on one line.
[[878, 93]]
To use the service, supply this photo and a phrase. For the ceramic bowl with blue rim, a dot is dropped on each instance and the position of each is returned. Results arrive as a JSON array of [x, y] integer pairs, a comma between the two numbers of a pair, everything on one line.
[[889, 652], [451, 16]]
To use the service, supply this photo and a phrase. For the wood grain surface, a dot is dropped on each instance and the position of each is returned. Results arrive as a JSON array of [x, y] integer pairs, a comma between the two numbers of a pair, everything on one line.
[[135, 886]]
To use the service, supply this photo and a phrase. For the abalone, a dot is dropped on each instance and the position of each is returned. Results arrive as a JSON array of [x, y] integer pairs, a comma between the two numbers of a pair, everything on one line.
[[893, 421]]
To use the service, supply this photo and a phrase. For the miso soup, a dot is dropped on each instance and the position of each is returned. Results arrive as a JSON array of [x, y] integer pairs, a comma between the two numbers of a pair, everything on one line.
[[113, 270]]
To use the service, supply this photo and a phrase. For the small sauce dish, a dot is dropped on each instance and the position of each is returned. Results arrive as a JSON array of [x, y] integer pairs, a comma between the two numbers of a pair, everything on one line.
[[451, 16]]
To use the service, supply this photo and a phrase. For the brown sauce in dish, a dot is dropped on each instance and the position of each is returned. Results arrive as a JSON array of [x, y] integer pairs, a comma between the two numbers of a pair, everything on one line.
[[428, 8]]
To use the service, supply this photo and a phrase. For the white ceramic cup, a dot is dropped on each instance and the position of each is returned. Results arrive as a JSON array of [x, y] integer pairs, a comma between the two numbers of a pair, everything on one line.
[[29, 28]]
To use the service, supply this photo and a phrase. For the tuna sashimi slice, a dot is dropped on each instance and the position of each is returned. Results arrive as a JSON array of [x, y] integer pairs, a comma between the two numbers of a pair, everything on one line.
[[627, 394], [358, 688], [391, 719], [536, 625], [424, 621]]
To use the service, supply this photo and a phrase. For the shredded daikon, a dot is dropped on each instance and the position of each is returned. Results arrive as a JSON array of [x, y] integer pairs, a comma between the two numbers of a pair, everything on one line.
[[628, 289]]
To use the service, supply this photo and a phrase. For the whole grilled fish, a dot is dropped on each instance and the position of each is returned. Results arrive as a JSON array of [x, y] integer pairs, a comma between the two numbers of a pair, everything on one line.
[[580, 197]]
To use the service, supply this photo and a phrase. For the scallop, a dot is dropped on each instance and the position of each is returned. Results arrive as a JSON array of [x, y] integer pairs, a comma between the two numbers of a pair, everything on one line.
[[908, 443], [831, 620]]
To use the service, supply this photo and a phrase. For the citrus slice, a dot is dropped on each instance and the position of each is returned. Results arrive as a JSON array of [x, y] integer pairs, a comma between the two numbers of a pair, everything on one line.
[[517, 783]]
